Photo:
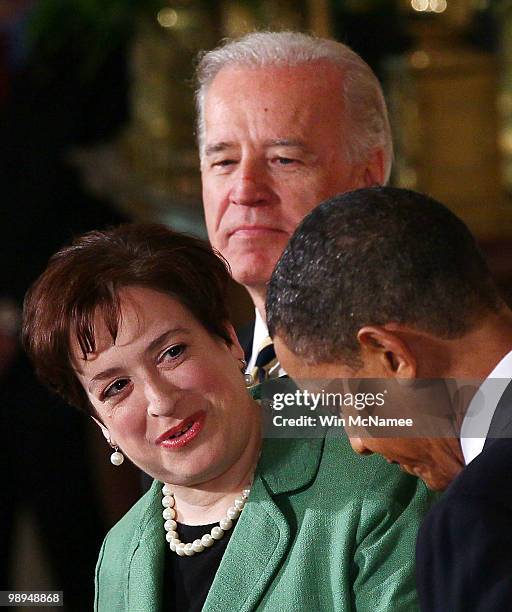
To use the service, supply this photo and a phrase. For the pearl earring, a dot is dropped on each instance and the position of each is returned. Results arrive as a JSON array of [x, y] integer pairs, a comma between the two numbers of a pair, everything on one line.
[[117, 457], [248, 378]]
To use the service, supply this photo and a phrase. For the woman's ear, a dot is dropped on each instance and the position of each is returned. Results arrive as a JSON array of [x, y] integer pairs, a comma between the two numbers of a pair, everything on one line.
[[235, 347], [104, 430], [387, 352]]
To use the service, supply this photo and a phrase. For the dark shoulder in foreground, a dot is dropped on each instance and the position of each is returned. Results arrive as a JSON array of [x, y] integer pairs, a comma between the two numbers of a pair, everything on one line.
[[464, 548], [487, 476]]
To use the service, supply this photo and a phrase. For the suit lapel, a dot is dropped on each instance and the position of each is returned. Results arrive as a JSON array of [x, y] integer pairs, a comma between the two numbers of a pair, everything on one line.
[[256, 549], [501, 424], [259, 544], [262, 536], [245, 337]]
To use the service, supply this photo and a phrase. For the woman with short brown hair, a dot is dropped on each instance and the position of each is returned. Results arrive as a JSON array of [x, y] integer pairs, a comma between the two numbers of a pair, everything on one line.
[[131, 325]]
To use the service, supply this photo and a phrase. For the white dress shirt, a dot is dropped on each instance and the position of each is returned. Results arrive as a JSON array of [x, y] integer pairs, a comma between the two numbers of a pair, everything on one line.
[[260, 333], [482, 408]]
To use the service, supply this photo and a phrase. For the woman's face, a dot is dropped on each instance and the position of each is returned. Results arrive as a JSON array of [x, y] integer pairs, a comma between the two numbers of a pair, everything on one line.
[[170, 394]]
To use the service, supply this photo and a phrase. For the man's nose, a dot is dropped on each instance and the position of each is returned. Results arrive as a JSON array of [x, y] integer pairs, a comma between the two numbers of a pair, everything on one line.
[[250, 185], [160, 395], [359, 446]]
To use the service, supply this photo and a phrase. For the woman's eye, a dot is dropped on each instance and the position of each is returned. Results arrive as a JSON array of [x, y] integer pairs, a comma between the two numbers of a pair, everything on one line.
[[115, 388], [173, 352]]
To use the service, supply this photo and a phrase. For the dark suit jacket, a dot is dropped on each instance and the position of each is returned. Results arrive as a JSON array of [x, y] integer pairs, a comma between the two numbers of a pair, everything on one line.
[[245, 337], [464, 547]]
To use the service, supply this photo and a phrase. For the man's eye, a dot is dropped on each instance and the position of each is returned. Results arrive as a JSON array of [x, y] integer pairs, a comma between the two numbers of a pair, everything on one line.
[[223, 163], [115, 388], [284, 161], [173, 352]]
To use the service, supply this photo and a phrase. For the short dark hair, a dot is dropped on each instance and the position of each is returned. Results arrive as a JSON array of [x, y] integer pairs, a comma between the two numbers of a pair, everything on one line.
[[370, 257], [88, 275]]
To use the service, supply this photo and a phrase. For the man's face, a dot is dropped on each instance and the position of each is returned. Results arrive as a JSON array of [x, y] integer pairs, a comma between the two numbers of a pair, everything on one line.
[[434, 455], [274, 149]]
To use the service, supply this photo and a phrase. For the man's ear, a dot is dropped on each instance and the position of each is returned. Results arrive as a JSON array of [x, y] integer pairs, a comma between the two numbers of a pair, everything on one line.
[[374, 172], [388, 350], [104, 430], [235, 347]]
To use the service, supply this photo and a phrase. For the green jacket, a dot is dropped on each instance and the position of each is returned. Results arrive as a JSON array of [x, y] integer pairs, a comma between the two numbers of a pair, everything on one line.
[[323, 529]]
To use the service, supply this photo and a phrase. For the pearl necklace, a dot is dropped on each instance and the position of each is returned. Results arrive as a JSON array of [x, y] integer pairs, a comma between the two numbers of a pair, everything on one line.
[[217, 532]]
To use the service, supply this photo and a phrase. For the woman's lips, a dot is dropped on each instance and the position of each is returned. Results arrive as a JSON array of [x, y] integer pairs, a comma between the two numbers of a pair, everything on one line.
[[191, 426]]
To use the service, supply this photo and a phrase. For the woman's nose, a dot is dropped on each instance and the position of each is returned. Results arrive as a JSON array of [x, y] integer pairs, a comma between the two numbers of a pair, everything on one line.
[[161, 396]]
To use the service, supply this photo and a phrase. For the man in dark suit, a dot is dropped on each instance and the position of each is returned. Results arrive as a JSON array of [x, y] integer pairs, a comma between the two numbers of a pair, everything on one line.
[[388, 285], [285, 120]]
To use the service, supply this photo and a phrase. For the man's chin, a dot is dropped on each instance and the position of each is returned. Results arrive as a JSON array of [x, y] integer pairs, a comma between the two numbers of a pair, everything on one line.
[[435, 482], [253, 261], [254, 270], [251, 278]]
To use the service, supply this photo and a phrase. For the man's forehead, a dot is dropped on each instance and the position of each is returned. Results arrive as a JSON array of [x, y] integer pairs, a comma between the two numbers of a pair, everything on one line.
[[277, 103], [314, 82], [320, 70]]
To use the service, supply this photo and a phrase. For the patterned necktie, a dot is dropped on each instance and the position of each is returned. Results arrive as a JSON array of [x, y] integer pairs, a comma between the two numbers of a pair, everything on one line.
[[266, 365]]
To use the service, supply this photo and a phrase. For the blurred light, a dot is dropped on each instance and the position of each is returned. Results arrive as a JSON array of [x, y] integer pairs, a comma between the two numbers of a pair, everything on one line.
[[420, 60], [505, 103], [419, 5], [159, 127], [408, 178], [438, 6], [167, 18], [506, 141], [430, 6]]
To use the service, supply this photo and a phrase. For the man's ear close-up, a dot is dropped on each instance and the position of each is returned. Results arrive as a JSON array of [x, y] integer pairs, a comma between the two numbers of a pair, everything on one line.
[[374, 173], [385, 353]]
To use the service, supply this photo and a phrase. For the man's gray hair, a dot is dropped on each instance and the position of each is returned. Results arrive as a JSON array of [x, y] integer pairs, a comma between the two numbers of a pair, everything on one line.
[[360, 89]]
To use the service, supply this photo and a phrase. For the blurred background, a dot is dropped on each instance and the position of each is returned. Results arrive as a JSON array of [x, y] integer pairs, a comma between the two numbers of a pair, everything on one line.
[[97, 127]]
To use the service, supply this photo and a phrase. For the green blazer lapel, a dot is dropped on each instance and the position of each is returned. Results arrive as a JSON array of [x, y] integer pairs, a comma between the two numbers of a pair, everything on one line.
[[289, 464], [146, 566], [262, 535], [258, 545]]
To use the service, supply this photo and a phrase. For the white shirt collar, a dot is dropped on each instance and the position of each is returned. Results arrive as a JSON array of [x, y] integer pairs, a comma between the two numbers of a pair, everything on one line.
[[482, 407], [260, 333]]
